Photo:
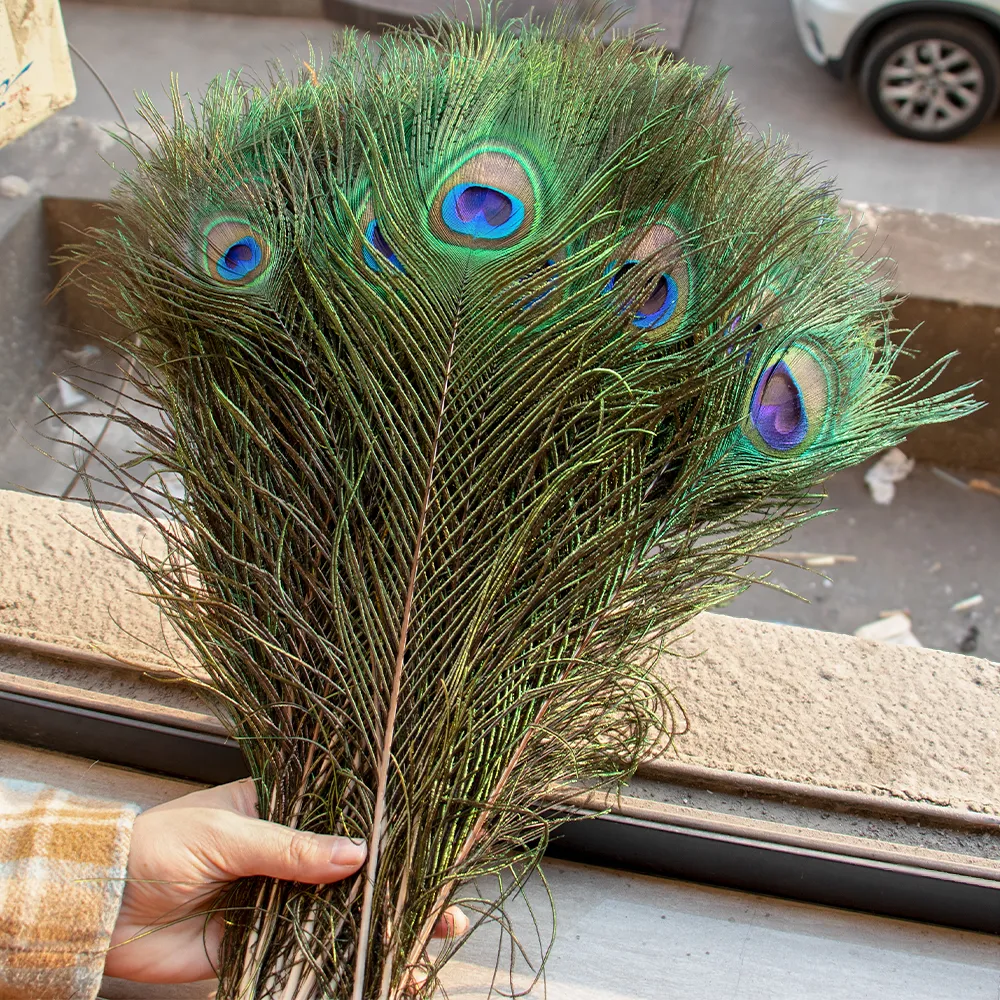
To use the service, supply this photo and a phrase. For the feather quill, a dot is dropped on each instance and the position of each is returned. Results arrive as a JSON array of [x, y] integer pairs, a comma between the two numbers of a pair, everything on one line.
[[488, 358]]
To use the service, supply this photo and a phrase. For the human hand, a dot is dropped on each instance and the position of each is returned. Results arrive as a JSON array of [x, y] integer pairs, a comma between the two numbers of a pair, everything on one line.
[[181, 855]]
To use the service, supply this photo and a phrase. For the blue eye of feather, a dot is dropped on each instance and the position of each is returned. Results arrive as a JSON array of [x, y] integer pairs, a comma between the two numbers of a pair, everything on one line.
[[235, 252], [374, 236], [777, 408], [240, 259], [481, 211], [660, 303]]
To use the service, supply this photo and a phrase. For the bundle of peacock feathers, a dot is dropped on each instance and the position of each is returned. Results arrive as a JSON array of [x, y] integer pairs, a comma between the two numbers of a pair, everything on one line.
[[488, 358]]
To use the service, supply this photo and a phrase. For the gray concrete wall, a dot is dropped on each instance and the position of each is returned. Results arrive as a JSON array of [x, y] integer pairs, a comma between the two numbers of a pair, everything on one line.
[[29, 332], [60, 157], [948, 266]]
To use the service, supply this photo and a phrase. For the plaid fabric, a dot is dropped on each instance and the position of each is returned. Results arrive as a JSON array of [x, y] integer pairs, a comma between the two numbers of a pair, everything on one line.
[[62, 866]]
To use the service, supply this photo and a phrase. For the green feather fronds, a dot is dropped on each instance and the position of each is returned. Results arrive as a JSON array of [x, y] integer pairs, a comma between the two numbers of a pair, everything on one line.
[[445, 499]]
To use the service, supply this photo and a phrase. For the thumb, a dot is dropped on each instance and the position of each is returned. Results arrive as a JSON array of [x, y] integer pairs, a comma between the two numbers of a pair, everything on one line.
[[256, 847]]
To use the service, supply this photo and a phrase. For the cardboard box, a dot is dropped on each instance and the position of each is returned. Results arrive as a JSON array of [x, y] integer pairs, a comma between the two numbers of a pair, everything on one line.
[[36, 77]]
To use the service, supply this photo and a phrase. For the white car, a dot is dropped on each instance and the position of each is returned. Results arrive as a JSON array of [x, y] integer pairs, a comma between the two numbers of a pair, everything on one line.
[[929, 69]]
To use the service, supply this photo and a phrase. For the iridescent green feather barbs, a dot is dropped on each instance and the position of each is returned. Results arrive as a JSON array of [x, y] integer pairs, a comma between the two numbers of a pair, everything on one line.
[[489, 358]]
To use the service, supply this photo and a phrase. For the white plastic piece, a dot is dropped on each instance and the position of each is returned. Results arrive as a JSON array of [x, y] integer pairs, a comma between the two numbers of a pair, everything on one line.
[[893, 467], [968, 603], [13, 186], [69, 395], [896, 629]]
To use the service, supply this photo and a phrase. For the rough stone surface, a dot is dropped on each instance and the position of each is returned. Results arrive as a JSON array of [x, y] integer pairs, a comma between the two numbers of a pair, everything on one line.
[[59, 584], [157, 690], [765, 699], [951, 258], [834, 710]]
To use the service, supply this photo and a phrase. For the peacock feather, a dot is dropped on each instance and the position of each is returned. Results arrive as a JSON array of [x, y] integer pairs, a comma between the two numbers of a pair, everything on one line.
[[489, 357]]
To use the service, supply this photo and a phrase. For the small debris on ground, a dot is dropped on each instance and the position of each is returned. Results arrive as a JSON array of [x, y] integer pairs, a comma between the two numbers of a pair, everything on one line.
[[893, 467], [86, 354], [816, 558], [970, 640], [69, 395], [969, 602], [984, 486], [13, 186], [979, 485], [895, 628], [949, 478]]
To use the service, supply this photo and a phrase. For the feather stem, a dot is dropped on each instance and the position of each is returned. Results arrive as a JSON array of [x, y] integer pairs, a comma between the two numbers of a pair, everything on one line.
[[423, 938], [463, 644], [367, 906], [292, 990], [251, 962]]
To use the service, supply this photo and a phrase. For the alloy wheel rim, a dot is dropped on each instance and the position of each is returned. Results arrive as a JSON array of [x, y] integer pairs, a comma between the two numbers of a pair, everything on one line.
[[931, 85]]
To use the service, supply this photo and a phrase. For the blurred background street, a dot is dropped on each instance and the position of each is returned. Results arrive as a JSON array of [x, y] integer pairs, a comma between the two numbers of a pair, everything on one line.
[[937, 544], [771, 76]]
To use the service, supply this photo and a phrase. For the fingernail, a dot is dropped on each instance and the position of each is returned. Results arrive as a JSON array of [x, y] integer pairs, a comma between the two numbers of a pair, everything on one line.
[[347, 852]]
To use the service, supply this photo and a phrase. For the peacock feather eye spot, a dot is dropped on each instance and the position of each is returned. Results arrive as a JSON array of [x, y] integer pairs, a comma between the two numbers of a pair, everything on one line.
[[239, 260], [790, 401], [658, 297], [777, 408], [615, 272], [660, 303], [663, 305], [488, 202], [478, 203], [234, 252], [481, 212], [373, 234]]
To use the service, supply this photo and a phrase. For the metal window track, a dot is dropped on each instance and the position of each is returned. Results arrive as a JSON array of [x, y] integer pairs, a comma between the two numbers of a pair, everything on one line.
[[636, 835]]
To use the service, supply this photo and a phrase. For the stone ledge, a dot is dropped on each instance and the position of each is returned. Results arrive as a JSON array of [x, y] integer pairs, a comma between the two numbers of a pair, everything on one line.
[[946, 258], [770, 700]]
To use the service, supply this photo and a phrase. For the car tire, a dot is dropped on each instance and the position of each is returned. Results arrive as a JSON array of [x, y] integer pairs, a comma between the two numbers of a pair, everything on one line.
[[933, 79]]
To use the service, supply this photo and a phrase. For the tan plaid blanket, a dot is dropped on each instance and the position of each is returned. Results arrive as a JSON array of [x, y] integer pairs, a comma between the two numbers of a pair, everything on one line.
[[62, 869]]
